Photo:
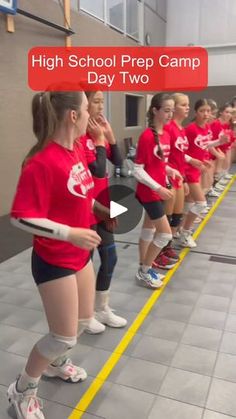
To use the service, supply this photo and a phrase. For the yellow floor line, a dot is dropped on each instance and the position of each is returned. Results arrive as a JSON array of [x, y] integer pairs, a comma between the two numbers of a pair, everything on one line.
[[106, 370]]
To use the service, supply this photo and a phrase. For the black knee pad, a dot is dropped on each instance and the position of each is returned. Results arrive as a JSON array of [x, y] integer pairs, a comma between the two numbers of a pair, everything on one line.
[[108, 258], [176, 220]]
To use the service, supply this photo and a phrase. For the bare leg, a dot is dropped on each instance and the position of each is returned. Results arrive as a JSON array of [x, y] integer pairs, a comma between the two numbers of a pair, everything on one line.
[[162, 226]]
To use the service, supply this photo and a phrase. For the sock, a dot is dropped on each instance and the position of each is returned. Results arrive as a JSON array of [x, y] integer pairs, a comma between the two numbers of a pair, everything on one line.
[[145, 268], [26, 382]]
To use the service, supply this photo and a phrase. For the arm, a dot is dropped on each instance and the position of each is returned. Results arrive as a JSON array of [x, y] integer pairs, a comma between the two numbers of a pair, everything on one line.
[[115, 156], [98, 166], [81, 237], [143, 177]]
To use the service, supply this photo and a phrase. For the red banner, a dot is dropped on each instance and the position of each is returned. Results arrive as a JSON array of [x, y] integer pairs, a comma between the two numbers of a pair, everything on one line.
[[118, 68]]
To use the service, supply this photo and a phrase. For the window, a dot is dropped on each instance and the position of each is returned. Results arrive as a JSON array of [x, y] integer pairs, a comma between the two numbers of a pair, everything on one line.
[[115, 13], [123, 15], [95, 8], [132, 16], [132, 103]]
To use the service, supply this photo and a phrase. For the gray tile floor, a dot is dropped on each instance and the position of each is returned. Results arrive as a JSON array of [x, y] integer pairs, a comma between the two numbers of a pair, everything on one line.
[[182, 362]]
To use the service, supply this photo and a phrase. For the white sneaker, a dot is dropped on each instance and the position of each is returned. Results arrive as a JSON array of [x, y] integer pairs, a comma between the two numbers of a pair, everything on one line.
[[151, 279], [95, 327], [186, 239], [213, 194], [223, 181], [26, 404], [206, 210], [219, 187], [107, 317], [228, 176], [67, 372]]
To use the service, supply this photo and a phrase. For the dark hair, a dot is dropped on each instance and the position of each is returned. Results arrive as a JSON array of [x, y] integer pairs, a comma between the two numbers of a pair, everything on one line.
[[233, 102], [201, 102], [156, 102], [48, 110]]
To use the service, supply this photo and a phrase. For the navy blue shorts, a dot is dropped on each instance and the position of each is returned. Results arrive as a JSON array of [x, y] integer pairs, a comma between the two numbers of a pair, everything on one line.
[[44, 272]]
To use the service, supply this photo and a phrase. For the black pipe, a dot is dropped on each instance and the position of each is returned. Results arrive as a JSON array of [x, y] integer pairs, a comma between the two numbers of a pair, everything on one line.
[[46, 22]]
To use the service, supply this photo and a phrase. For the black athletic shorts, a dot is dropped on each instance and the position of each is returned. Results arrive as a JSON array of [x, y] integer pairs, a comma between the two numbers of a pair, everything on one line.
[[154, 209], [44, 272]]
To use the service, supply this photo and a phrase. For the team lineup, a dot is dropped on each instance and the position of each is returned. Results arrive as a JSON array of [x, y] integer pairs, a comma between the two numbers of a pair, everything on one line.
[[58, 200]]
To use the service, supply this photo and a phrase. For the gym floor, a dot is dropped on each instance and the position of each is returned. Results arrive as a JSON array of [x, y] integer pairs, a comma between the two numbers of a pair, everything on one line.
[[181, 361]]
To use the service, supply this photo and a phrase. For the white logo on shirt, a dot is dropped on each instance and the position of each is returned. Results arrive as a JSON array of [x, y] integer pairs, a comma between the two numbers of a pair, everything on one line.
[[79, 177], [90, 144], [202, 141], [181, 144]]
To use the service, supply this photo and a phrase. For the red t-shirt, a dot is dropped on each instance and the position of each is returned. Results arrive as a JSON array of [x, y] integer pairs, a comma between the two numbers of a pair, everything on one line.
[[56, 184], [178, 146], [153, 164], [101, 185], [219, 128], [198, 138]]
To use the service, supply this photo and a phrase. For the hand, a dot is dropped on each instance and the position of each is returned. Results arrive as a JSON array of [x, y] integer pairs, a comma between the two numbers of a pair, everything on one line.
[[107, 130], [224, 138], [96, 132], [111, 224], [174, 173], [207, 164], [196, 163], [165, 193], [84, 238]]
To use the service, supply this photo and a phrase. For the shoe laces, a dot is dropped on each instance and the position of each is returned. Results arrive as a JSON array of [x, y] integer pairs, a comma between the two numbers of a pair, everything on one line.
[[34, 403]]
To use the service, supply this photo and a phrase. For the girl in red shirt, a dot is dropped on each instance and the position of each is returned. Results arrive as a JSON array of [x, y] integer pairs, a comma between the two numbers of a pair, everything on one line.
[[53, 201], [221, 127], [200, 139], [99, 145], [151, 172]]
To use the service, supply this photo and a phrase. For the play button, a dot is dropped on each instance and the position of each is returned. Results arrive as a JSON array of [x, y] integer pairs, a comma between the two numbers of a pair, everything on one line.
[[116, 209], [123, 206]]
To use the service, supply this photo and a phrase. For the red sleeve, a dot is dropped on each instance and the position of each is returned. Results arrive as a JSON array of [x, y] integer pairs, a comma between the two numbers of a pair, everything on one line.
[[144, 148], [33, 192], [216, 129], [190, 133], [89, 149]]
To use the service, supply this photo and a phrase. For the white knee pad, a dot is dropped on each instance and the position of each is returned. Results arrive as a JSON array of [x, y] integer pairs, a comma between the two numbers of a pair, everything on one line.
[[52, 346], [82, 325], [162, 239], [147, 234], [187, 207], [198, 207]]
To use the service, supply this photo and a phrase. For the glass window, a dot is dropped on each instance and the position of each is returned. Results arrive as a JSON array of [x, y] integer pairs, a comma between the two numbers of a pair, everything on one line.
[[132, 18], [115, 13], [95, 8]]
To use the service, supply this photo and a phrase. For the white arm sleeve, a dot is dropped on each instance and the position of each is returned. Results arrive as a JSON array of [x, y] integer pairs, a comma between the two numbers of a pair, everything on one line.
[[43, 227], [143, 177], [187, 158]]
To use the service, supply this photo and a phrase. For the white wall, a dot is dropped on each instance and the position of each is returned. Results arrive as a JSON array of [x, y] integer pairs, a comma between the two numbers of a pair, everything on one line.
[[207, 23]]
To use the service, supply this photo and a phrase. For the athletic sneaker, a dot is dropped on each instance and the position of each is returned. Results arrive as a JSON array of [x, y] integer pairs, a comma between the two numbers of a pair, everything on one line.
[[198, 220], [228, 176], [170, 252], [26, 404], [95, 327], [186, 239], [107, 317], [219, 188], [213, 194], [151, 279], [67, 372], [205, 210], [163, 262]]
